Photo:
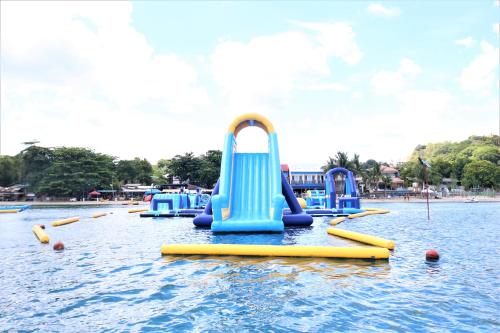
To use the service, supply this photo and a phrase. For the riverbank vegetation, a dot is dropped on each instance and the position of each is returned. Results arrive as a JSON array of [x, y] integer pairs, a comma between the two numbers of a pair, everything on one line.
[[74, 171]]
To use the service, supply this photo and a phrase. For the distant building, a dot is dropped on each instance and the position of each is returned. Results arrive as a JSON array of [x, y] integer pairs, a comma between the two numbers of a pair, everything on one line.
[[15, 193], [393, 174]]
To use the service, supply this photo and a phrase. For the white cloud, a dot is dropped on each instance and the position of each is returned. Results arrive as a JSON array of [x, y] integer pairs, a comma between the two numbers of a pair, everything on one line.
[[339, 87], [467, 41], [379, 9], [407, 66], [82, 66], [335, 39], [387, 83], [479, 75], [391, 82], [260, 74]]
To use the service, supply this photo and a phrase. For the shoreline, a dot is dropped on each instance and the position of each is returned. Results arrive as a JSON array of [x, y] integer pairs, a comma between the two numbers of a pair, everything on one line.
[[144, 203]]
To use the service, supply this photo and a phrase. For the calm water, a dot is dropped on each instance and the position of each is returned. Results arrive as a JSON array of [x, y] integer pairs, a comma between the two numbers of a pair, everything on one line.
[[111, 276]]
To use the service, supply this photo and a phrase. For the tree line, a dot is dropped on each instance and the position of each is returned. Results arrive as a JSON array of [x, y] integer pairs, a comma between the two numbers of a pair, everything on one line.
[[473, 163], [75, 171]]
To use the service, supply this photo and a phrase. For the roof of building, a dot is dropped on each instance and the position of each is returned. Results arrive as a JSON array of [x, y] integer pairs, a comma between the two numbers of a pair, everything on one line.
[[387, 169]]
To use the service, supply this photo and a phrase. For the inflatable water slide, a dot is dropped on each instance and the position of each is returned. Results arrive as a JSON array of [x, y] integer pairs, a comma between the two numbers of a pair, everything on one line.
[[251, 191]]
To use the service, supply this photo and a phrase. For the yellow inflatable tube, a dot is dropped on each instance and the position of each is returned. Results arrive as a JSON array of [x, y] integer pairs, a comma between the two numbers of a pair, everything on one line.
[[65, 221], [10, 210], [96, 215], [367, 239], [277, 251], [370, 212], [353, 216], [40, 234], [337, 220], [377, 210], [138, 210]]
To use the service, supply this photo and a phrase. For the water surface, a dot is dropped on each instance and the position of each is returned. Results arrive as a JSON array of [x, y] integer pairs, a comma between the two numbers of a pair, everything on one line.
[[112, 278]]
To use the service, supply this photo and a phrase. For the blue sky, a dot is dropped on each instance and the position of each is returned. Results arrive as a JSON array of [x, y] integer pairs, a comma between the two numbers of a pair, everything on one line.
[[154, 79]]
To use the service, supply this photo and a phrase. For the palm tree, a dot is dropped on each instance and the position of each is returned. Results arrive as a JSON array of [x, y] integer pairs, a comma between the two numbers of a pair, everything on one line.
[[357, 169], [343, 160], [330, 164], [374, 174], [387, 182]]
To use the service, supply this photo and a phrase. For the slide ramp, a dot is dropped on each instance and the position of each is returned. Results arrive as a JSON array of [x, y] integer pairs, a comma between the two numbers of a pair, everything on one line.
[[249, 198]]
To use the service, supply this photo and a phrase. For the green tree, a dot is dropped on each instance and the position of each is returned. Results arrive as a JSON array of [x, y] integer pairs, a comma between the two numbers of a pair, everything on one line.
[[76, 171], [210, 168], [341, 159], [8, 170], [34, 161], [481, 174], [441, 166], [387, 182], [185, 167], [161, 171], [134, 171], [487, 153], [374, 175]]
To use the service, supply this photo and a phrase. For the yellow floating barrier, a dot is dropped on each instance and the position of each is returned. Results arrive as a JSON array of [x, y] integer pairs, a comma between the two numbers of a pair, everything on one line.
[[277, 251], [370, 212], [65, 221], [138, 210], [353, 216], [337, 220], [377, 210], [10, 210], [96, 215], [40, 234], [363, 238]]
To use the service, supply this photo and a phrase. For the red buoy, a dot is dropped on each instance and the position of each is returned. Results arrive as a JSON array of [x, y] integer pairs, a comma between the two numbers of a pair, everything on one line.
[[59, 246], [432, 255]]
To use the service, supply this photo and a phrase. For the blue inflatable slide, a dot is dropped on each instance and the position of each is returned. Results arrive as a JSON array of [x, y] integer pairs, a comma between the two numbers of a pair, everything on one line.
[[251, 191]]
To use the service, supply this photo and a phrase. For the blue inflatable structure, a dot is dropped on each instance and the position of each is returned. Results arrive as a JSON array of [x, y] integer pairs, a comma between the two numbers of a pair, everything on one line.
[[251, 191], [15, 207], [320, 203], [350, 198], [174, 204]]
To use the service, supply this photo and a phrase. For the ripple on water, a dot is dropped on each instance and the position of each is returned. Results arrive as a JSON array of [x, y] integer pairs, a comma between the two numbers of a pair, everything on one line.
[[107, 280]]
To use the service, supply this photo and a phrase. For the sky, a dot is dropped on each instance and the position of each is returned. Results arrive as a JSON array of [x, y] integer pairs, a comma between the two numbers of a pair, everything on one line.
[[154, 79]]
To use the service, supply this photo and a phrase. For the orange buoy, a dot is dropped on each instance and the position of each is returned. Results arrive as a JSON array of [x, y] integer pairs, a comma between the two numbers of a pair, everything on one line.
[[59, 246], [432, 255]]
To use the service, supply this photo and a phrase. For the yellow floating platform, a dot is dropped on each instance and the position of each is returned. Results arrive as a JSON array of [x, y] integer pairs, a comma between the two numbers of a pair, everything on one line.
[[363, 238], [40, 234], [65, 221], [96, 215], [9, 211], [337, 220], [138, 210], [277, 251]]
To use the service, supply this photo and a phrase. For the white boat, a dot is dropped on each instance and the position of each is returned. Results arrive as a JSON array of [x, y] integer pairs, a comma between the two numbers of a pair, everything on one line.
[[471, 200]]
